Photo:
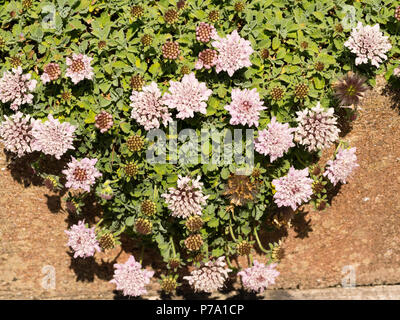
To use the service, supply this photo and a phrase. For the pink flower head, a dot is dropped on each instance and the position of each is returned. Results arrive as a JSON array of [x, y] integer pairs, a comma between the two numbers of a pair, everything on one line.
[[207, 59], [131, 278], [15, 87], [81, 174], [317, 128], [187, 96], [210, 276], [148, 109], [51, 72], [258, 277], [16, 133], [339, 169], [82, 240], [245, 107], [276, 140], [205, 32], [368, 43], [52, 137], [293, 189], [187, 199], [233, 53], [79, 68]]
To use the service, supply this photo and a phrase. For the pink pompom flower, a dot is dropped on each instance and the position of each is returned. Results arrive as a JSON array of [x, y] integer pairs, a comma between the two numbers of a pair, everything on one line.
[[233, 53], [293, 189], [15, 87], [187, 199], [245, 107], [276, 140], [148, 109], [81, 174], [79, 68], [187, 96], [52, 137], [130, 278], [339, 170], [82, 240], [16, 133], [258, 277], [210, 276], [369, 44]]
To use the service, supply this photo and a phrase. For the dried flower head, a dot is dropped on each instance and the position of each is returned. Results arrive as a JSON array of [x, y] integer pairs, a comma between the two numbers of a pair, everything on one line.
[[107, 241], [148, 207], [16, 133], [131, 278], [240, 189], [258, 277], [213, 16], [301, 91], [82, 240], [131, 169], [146, 40], [15, 87], [171, 16], [319, 66], [187, 198], [170, 50], [277, 93], [210, 276], [187, 96], [143, 226], [137, 11], [174, 263], [81, 174], [104, 121], [168, 284], [276, 140], [15, 61], [51, 182], [135, 143], [369, 44], [339, 170], [317, 128], [350, 89], [239, 6], [205, 32], [245, 107], [51, 72], [233, 53], [185, 70], [264, 53], [293, 189], [79, 68], [244, 248], [194, 242], [137, 82], [207, 59], [53, 137], [101, 44], [194, 223], [181, 4], [148, 109]]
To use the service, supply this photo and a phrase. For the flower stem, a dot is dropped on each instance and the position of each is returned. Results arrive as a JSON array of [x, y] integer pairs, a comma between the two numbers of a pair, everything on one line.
[[259, 242], [171, 240], [141, 255], [231, 232], [228, 262], [250, 260], [120, 231]]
